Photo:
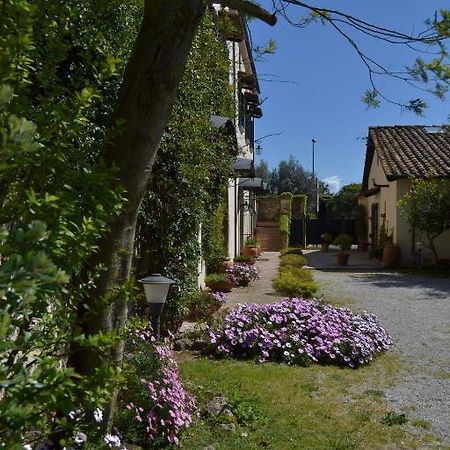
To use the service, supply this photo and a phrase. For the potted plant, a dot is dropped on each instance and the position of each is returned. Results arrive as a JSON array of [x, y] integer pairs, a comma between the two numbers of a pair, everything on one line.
[[219, 282], [251, 247], [326, 239], [227, 262], [391, 252], [201, 305], [344, 242], [244, 259], [242, 274]]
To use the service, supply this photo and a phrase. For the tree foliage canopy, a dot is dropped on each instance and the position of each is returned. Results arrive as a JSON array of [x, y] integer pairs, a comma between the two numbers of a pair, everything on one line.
[[427, 208], [345, 202]]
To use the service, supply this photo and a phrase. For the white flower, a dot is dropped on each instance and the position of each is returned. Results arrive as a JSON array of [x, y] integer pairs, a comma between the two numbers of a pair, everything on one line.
[[98, 415], [72, 415], [80, 437], [27, 447], [112, 440]]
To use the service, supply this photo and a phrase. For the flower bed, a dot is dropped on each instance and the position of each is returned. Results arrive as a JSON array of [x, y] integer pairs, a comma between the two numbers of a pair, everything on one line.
[[155, 405], [299, 331]]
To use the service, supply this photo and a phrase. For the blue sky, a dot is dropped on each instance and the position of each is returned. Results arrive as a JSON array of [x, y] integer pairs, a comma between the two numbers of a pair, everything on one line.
[[326, 81]]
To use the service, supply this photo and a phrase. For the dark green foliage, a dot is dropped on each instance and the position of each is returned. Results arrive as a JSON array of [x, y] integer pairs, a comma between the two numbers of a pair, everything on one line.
[[244, 259], [394, 418], [213, 240], [200, 305], [60, 66], [361, 223], [343, 241], [190, 175], [299, 206], [345, 202]]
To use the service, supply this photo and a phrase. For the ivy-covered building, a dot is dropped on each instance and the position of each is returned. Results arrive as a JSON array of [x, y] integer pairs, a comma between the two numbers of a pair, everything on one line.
[[243, 186]]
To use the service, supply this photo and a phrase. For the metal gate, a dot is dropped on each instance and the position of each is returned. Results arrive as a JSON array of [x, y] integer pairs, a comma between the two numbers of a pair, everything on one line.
[[308, 231]]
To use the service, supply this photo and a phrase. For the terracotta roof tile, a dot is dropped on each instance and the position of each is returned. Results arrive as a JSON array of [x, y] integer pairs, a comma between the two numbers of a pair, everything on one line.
[[409, 150]]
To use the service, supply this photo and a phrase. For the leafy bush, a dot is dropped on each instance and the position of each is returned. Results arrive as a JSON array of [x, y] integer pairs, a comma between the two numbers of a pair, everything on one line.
[[295, 283], [291, 251], [326, 237], [292, 260], [241, 274], [344, 241], [299, 331], [201, 304], [154, 407], [217, 278], [251, 241], [244, 259]]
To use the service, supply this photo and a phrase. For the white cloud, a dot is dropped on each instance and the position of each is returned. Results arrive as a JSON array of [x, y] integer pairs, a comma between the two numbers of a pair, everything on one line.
[[334, 183]]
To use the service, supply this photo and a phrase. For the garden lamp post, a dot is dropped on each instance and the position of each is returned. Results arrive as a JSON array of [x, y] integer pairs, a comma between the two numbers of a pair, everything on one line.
[[156, 288]]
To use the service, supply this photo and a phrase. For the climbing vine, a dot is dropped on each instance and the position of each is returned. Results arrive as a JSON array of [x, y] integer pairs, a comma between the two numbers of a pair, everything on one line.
[[190, 175]]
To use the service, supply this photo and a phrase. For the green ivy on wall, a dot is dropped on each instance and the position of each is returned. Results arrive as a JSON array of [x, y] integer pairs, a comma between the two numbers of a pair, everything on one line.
[[190, 176]]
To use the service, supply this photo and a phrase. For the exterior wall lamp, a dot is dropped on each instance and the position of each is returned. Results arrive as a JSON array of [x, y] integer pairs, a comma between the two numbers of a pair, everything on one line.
[[156, 288]]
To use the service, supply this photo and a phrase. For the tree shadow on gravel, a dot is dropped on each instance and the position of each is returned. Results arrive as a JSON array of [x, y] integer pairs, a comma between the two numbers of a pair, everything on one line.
[[435, 287]]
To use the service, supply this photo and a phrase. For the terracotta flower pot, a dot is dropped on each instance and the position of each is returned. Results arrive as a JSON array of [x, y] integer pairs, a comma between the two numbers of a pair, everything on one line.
[[391, 255], [342, 258], [220, 286], [227, 263], [251, 251], [324, 246]]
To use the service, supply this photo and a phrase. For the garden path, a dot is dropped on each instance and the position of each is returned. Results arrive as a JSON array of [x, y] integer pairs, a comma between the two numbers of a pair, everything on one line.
[[416, 311], [259, 291]]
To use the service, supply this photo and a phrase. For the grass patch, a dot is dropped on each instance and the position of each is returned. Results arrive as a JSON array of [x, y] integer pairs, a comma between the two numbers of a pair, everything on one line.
[[421, 423], [291, 407], [442, 374]]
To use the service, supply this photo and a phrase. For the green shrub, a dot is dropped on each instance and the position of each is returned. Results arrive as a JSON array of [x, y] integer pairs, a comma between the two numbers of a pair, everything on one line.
[[344, 241], [200, 304], [251, 241], [291, 251], [326, 237], [216, 278], [295, 282], [293, 260], [244, 259]]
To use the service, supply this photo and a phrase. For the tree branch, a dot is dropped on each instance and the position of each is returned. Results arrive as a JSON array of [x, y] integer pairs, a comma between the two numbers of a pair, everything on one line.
[[251, 9]]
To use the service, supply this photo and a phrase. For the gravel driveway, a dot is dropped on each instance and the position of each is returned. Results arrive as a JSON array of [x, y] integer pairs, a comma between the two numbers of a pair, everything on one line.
[[416, 312]]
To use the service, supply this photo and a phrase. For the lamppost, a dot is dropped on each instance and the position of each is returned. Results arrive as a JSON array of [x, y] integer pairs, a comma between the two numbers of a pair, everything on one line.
[[156, 288], [316, 181]]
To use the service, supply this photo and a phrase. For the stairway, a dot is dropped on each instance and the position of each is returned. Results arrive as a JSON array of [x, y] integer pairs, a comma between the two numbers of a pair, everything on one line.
[[268, 235]]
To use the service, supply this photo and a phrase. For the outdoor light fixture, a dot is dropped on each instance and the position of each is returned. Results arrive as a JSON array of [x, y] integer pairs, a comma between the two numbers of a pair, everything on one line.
[[156, 288]]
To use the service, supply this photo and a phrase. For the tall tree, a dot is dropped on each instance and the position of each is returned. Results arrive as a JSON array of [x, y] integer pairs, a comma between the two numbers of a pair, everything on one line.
[[345, 202]]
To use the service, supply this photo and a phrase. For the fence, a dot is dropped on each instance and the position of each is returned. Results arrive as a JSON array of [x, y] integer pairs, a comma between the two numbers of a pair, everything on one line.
[[308, 231]]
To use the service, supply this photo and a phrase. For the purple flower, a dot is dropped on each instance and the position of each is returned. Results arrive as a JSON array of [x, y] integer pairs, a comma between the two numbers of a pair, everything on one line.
[[80, 437], [309, 329], [112, 440], [98, 415], [171, 407], [242, 273]]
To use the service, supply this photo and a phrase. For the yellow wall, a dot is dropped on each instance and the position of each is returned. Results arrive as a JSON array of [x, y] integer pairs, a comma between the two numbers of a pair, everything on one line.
[[395, 220]]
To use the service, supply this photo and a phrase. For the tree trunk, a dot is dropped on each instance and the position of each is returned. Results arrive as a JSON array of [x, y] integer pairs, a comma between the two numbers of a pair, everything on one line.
[[146, 96], [433, 249]]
